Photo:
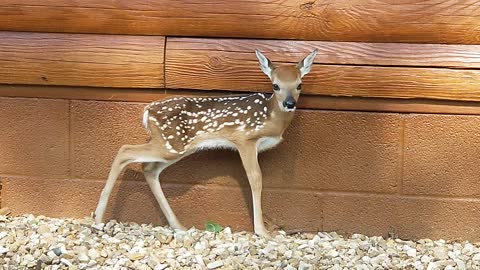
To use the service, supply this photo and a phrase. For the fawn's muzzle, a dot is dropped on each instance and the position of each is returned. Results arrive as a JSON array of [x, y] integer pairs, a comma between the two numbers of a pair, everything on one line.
[[289, 103]]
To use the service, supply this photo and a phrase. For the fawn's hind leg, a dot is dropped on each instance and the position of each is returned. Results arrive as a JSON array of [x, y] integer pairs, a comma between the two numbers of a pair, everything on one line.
[[152, 170], [126, 155]]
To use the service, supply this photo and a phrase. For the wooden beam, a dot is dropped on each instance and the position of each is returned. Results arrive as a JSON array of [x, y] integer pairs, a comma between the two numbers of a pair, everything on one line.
[[232, 65], [316, 102], [82, 60], [82, 93], [306, 101], [424, 106], [344, 53], [367, 20]]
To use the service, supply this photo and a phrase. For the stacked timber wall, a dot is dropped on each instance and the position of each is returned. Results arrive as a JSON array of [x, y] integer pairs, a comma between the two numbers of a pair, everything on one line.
[[386, 139]]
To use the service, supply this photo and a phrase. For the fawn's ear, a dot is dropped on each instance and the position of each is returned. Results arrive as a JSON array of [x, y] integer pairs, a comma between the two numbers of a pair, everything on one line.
[[306, 64], [265, 64]]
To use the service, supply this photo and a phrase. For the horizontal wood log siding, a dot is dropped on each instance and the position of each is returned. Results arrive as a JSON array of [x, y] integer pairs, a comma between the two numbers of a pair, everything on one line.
[[345, 53], [82, 60], [342, 69], [367, 20], [386, 70]]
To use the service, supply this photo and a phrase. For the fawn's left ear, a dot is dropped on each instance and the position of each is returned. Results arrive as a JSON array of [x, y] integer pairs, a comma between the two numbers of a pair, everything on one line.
[[265, 64], [306, 64]]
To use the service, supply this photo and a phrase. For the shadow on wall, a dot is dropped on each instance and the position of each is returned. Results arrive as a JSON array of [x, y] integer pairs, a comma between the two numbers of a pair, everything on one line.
[[185, 185], [332, 156], [335, 171]]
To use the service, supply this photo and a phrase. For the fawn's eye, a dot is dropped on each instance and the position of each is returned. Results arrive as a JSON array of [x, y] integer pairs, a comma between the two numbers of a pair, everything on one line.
[[276, 87], [299, 87]]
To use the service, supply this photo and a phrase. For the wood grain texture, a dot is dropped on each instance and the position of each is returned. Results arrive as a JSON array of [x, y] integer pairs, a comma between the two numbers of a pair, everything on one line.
[[346, 53], [231, 65], [82, 93], [309, 102], [81, 60], [429, 21]]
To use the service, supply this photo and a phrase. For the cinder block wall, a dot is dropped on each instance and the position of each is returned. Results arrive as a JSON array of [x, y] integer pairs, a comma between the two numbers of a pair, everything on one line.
[[398, 156], [376, 173]]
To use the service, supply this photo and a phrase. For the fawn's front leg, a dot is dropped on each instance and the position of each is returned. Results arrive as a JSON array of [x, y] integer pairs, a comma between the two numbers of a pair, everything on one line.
[[249, 155]]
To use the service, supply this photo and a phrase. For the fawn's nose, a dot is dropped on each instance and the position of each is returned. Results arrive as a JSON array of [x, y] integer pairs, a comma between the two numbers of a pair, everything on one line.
[[289, 103]]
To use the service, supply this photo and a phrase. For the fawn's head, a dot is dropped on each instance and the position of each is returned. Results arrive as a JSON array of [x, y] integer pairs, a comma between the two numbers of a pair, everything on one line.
[[286, 80]]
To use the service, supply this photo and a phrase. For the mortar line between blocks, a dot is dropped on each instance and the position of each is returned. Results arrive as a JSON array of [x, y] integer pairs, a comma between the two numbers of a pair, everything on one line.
[[70, 154], [402, 154], [322, 213]]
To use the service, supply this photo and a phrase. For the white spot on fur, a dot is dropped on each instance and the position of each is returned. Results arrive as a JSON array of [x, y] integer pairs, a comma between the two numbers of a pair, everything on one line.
[[241, 128]]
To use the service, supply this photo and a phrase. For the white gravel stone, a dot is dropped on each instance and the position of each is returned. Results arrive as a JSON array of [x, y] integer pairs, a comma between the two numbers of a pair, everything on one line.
[[160, 266], [65, 262], [83, 257], [476, 257], [215, 264], [440, 252], [27, 242], [93, 253], [412, 252]]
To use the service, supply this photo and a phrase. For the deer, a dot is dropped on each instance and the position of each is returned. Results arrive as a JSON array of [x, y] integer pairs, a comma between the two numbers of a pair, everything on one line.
[[181, 126]]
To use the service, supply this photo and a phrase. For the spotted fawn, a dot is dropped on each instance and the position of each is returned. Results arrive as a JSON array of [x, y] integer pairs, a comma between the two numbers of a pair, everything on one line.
[[183, 125]]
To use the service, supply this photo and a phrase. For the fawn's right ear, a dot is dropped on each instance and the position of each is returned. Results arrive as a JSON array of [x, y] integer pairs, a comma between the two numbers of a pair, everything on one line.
[[306, 64], [265, 64]]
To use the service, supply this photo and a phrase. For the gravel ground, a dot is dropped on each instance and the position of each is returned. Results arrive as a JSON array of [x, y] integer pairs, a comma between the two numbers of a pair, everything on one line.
[[30, 242]]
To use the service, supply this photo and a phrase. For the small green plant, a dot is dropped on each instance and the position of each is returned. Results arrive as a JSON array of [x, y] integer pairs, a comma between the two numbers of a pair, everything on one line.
[[211, 226]]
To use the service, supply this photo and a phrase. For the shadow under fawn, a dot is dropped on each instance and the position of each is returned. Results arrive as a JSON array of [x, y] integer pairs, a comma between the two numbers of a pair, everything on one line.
[[182, 126]]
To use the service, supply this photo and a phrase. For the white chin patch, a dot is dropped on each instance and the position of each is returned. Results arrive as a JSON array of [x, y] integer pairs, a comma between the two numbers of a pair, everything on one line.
[[289, 110]]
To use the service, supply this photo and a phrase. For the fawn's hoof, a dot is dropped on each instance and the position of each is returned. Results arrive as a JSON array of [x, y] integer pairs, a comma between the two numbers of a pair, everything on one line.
[[178, 227], [97, 218], [263, 233]]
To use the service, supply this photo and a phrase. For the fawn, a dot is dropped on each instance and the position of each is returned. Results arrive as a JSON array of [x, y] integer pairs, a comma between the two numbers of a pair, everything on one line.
[[181, 126]]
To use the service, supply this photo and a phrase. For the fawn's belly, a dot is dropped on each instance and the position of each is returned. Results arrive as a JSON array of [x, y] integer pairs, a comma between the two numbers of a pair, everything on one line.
[[215, 144], [263, 144]]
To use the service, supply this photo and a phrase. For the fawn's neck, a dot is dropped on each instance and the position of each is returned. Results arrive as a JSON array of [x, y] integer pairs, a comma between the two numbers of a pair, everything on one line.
[[279, 117]]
